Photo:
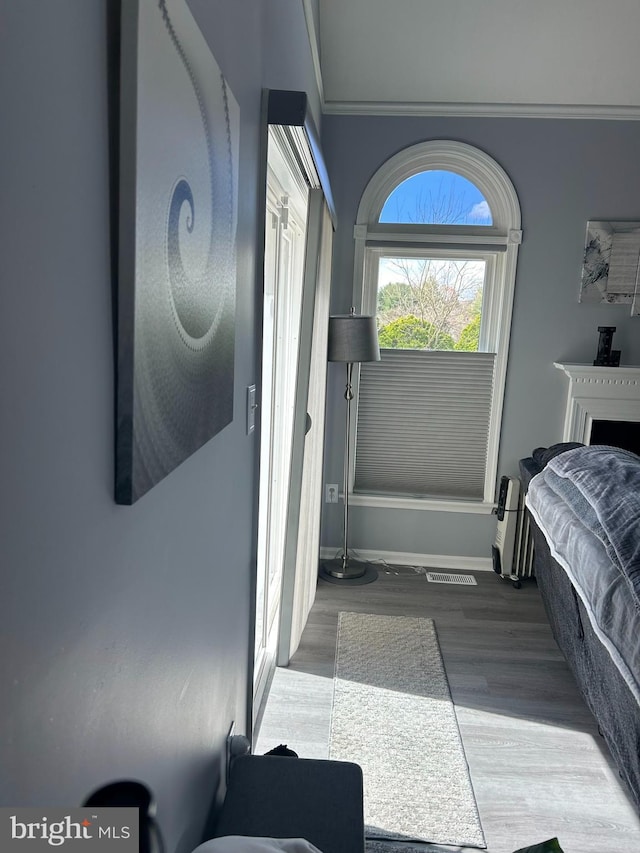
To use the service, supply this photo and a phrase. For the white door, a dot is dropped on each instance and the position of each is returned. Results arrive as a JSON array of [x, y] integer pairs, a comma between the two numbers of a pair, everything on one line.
[[302, 545], [285, 231]]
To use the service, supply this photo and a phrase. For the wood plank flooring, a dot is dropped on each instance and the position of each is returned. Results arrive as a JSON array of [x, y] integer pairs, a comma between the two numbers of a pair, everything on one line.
[[538, 765]]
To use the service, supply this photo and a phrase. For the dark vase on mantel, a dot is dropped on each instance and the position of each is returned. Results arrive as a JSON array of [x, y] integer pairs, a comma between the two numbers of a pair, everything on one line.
[[606, 357]]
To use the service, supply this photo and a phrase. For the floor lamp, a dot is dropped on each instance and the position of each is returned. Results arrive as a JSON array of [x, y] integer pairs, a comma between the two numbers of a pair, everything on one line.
[[353, 338]]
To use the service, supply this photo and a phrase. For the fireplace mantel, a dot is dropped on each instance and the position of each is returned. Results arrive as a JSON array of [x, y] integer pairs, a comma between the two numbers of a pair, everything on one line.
[[599, 393]]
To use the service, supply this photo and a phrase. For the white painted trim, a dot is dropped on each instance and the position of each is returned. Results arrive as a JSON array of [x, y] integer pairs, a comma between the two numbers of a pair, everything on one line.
[[402, 558], [626, 374], [390, 238], [501, 310], [428, 504], [459, 157], [603, 112], [599, 393], [314, 44], [480, 253]]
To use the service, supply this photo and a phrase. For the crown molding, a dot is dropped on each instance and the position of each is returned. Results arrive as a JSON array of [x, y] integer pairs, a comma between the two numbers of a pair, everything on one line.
[[314, 44], [603, 112]]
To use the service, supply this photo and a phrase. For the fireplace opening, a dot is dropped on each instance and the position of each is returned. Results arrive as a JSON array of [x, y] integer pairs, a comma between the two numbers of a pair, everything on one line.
[[624, 434]]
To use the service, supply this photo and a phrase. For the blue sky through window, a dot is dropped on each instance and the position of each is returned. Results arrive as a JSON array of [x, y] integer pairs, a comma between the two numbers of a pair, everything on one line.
[[439, 198]]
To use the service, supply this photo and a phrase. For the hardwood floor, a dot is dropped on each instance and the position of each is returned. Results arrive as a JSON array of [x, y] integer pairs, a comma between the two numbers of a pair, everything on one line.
[[538, 765]]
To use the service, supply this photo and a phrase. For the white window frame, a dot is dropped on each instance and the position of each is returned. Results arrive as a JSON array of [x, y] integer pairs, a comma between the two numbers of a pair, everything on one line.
[[497, 243]]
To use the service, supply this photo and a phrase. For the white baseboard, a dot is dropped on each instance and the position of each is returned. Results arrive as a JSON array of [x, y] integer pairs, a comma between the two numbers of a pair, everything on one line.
[[402, 558]]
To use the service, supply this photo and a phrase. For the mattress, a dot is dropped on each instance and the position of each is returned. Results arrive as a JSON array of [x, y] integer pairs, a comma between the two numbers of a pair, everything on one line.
[[592, 528]]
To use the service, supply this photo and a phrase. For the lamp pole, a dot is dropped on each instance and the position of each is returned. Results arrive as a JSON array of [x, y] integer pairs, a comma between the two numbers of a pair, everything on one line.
[[346, 572], [352, 339]]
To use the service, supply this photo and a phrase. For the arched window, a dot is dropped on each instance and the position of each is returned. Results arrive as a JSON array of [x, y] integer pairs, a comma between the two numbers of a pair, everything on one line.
[[437, 237]]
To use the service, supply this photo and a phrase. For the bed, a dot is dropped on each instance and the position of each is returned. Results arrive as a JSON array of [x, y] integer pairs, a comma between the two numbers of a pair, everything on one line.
[[584, 503]]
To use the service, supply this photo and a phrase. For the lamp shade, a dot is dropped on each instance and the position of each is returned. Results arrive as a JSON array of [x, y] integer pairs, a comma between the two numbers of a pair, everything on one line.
[[353, 338]]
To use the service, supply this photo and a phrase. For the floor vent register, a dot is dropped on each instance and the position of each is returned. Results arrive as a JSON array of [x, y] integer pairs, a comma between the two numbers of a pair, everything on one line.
[[448, 577]]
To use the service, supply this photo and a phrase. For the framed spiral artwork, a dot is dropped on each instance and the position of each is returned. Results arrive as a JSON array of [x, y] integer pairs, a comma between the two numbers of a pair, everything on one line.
[[178, 190]]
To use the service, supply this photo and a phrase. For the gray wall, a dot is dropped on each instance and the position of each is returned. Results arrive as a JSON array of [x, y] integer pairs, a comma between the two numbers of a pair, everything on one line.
[[565, 172], [126, 631]]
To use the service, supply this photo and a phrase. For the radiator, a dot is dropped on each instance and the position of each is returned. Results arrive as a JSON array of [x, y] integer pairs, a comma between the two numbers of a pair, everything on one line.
[[513, 547]]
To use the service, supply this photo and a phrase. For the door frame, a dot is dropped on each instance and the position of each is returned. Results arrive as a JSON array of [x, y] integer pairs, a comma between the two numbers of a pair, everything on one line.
[[290, 110], [286, 234]]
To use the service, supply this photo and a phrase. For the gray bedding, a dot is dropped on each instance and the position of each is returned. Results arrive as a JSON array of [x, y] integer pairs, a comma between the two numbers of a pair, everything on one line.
[[586, 502]]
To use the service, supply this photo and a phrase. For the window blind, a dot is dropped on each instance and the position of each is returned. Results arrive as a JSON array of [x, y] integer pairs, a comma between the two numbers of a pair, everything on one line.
[[423, 424]]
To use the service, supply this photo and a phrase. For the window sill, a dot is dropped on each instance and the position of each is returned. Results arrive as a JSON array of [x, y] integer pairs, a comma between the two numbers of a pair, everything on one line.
[[428, 504]]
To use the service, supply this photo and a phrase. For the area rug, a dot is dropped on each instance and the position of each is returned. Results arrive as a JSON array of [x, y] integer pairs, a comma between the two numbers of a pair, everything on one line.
[[393, 715]]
